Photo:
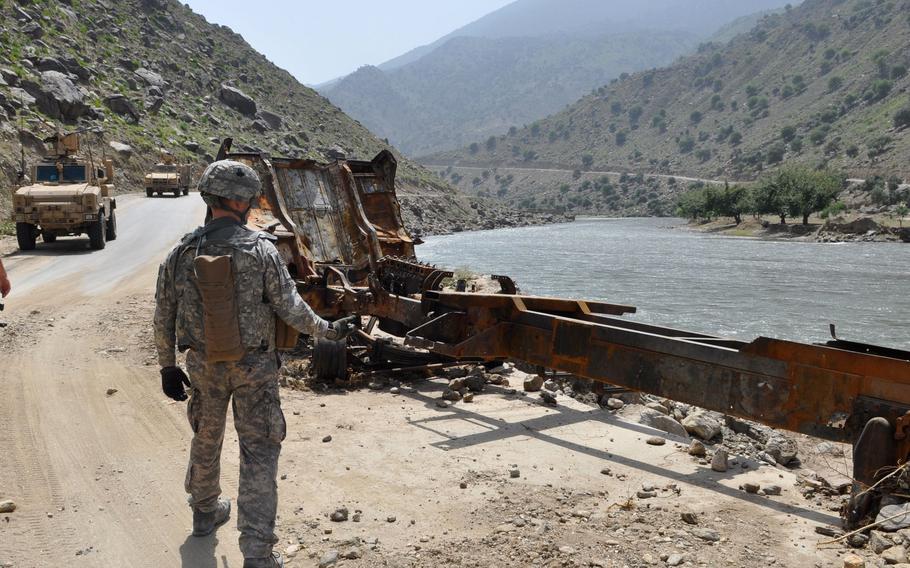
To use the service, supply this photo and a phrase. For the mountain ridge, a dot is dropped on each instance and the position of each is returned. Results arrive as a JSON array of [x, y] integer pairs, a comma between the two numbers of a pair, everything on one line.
[[823, 84], [519, 64]]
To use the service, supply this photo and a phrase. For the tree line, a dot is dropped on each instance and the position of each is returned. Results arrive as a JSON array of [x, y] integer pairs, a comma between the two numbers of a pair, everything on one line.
[[792, 192]]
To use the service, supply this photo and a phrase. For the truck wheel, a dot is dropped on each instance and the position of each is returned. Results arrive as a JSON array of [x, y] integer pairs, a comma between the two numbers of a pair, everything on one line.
[[148, 192], [177, 192], [48, 237], [96, 233], [330, 360], [111, 228], [25, 234]]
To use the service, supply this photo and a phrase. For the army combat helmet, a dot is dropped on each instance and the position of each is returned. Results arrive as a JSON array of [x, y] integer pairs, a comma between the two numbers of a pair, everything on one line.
[[231, 180]]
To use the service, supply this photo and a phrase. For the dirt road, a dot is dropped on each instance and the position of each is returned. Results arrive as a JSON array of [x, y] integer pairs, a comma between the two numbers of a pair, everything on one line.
[[94, 455]]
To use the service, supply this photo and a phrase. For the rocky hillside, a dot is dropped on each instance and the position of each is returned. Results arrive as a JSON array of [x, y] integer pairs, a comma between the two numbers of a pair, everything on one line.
[[521, 63], [152, 74], [823, 83]]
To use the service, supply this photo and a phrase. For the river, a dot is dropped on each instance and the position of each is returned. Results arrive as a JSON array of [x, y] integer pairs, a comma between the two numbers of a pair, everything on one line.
[[729, 286]]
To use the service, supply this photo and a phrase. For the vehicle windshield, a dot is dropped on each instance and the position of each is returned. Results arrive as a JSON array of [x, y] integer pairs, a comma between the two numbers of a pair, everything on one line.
[[48, 173], [165, 168]]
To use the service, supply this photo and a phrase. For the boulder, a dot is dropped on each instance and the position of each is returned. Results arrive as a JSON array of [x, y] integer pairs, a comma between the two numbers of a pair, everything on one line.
[[901, 514], [273, 120], [20, 97], [533, 383], [191, 146], [150, 77], [33, 30], [73, 66], [781, 447], [123, 106], [154, 91], [702, 424], [237, 100], [127, 64], [153, 105], [655, 419], [21, 15], [50, 64], [57, 96], [260, 126], [122, 149], [9, 76], [719, 460], [895, 555]]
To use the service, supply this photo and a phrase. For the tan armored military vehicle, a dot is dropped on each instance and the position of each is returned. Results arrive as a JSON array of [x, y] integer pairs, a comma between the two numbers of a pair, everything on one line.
[[168, 177], [70, 194]]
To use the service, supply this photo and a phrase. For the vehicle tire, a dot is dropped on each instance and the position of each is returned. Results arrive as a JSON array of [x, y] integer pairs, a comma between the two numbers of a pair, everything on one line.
[[148, 192], [96, 233], [330, 360], [111, 228], [49, 237], [186, 191], [25, 234], [177, 192]]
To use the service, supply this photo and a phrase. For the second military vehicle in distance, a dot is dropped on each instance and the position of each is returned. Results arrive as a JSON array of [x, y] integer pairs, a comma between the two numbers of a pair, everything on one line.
[[69, 194], [168, 177]]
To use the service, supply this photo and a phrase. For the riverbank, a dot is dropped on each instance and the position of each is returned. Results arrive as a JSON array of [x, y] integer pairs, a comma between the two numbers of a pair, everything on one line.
[[850, 229], [430, 214]]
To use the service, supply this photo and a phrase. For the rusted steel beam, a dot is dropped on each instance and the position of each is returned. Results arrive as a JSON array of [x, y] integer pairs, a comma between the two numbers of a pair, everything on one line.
[[817, 390]]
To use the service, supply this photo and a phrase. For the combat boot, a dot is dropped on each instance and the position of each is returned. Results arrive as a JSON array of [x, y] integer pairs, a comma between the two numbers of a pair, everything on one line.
[[205, 524], [273, 561]]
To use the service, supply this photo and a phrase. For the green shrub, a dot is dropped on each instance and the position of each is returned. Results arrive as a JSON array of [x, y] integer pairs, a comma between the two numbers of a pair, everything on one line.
[[835, 83], [818, 135], [788, 133], [879, 146], [902, 117], [776, 153], [878, 90], [686, 144]]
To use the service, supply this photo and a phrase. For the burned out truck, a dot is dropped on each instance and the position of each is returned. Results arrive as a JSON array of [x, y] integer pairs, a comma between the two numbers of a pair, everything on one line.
[[340, 230], [69, 194], [168, 177]]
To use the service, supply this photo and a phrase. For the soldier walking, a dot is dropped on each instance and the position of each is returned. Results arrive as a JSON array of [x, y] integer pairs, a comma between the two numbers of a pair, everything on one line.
[[218, 295]]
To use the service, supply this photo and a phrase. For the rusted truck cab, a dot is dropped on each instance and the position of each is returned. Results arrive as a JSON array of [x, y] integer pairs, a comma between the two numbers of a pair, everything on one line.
[[69, 195], [341, 216]]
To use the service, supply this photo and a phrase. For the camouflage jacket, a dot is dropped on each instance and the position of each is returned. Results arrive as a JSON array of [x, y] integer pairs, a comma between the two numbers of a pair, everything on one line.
[[264, 289]]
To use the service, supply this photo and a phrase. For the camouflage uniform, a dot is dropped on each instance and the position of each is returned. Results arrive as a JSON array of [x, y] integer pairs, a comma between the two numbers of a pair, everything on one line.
[[264, 289]]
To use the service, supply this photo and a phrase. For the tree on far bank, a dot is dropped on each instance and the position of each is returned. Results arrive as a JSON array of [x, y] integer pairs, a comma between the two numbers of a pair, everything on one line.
[[797, 191]]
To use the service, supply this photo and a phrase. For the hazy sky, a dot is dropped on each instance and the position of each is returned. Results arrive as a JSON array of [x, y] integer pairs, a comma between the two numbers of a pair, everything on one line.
[[318, 41]]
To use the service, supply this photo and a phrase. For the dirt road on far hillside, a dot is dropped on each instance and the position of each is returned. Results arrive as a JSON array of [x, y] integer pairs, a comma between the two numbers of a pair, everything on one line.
[[93, 454]]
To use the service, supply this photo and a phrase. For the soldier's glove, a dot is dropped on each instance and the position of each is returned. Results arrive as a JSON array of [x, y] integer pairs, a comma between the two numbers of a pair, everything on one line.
[[341, 329], [172, 381]]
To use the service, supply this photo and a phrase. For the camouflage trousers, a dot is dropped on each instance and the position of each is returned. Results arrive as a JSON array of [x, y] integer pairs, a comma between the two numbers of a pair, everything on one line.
[[251, 384]]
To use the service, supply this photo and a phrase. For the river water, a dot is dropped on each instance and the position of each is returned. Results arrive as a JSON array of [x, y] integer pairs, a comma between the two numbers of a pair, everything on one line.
[[730, 286]]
